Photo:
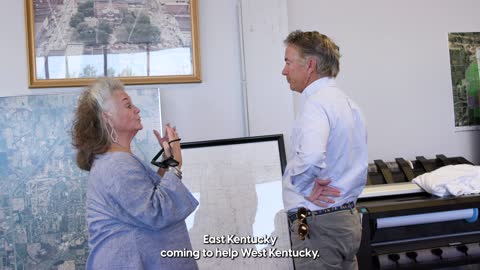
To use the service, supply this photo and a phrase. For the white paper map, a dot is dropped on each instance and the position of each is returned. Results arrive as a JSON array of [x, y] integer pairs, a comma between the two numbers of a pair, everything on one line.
[[240, 193]]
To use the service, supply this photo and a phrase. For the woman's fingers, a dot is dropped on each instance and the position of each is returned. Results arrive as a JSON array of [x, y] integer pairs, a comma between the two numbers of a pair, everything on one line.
[[166, 148], [159, 137], [157, 134], [172, 136]]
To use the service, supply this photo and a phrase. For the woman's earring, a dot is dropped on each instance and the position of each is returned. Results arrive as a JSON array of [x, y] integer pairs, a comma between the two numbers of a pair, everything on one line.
[[113, 133]]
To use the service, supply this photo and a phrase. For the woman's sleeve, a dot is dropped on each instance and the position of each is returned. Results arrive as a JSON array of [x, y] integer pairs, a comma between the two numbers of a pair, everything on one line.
[[141, 198]]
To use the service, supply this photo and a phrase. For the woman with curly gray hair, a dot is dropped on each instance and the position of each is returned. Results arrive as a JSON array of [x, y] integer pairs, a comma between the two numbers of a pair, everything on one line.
[[133, 212]]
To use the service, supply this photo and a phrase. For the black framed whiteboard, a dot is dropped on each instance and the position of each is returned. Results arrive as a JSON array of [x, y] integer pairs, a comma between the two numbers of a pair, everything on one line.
[[238, 183]]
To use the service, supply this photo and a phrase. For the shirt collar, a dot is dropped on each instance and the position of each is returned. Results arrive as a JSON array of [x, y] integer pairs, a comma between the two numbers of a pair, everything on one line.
[[317, 85]]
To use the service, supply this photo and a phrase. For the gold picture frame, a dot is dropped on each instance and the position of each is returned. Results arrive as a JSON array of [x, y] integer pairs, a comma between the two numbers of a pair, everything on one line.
[[71, 42]]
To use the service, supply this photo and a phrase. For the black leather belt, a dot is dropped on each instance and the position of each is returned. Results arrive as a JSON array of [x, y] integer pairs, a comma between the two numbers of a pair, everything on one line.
[[345, 206]]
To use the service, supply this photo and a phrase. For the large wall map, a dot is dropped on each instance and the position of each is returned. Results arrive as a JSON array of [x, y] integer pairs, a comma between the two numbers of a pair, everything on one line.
[[42, 191]]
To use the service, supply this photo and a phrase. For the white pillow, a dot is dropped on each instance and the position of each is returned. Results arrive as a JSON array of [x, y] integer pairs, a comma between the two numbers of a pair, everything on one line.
[[451, 180]]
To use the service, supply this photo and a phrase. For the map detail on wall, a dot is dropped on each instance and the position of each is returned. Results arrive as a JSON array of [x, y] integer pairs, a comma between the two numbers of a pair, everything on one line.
[[238, 183], [464, 58], [42, 191]]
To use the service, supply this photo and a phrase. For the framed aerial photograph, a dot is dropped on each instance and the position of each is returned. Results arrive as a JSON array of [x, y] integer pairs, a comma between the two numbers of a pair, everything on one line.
[[71, 42], [464, 49]]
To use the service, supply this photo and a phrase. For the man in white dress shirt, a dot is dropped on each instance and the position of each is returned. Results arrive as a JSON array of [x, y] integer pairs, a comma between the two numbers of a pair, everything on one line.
[[329, 141]]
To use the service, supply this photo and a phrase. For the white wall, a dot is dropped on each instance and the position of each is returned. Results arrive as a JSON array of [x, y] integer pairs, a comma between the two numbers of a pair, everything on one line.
[[396, 65], [270, 104], [214, 108]]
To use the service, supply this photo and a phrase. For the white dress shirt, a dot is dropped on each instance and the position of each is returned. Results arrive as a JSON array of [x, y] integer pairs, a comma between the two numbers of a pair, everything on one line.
[[328, 141]]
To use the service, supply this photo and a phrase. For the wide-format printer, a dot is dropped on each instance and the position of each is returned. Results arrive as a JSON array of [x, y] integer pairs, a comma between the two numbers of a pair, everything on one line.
[[407, 228]]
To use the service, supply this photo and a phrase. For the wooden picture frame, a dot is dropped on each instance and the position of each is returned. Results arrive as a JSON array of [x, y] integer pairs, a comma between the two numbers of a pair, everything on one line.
[[71, 42]]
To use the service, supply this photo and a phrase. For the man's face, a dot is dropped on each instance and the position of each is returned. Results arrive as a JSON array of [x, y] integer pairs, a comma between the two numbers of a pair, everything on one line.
[[296, 69]]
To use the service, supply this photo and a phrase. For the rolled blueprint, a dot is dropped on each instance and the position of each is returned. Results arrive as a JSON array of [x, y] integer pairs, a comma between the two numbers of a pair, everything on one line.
[[469, 214]]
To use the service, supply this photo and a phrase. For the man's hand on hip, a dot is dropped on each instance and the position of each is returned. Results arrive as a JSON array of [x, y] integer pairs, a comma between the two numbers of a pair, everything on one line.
[[321, 193]]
